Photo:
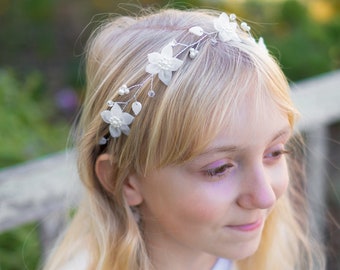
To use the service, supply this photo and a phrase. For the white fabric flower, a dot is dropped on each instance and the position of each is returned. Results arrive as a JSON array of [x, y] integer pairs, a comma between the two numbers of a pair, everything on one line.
[[118, 120], [163, 64], [226, 28]]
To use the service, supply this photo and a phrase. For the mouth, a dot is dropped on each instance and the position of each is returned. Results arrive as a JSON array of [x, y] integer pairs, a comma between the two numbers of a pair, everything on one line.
[[247, 227]]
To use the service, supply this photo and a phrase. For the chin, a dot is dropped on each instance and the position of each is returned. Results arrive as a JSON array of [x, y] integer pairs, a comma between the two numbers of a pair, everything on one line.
[[243, 251], [243, 255]]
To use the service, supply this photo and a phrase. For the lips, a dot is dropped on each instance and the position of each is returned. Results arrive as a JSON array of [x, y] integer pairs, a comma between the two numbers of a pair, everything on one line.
[[247, 227]]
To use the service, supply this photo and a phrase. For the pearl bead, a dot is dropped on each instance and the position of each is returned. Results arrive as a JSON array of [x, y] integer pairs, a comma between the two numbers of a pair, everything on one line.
[[232, 17]]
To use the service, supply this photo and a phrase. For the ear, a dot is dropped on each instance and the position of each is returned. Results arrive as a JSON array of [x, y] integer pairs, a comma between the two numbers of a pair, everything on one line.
[[132, 191], [131, 188], [103, 169]]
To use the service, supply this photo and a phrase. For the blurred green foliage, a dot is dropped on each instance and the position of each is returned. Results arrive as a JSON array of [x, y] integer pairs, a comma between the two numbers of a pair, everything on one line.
[[29, 127], [50, 34], [20, 249], [304, 45]]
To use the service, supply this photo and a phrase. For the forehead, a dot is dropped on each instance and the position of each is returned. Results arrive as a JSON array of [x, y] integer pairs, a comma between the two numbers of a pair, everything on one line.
[[254, 122]]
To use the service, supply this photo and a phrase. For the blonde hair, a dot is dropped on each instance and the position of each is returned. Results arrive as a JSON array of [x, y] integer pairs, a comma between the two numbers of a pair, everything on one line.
[[173, 127]]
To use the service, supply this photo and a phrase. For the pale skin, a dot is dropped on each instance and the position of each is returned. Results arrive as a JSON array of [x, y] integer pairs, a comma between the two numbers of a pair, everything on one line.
[[216, 204]]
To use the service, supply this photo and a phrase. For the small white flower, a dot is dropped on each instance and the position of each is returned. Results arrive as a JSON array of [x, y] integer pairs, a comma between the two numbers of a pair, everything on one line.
[[226, 28], [118, 120], [163, 64]]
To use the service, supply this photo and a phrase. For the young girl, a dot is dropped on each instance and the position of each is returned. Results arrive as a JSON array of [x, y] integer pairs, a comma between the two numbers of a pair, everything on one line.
[[184, 151]]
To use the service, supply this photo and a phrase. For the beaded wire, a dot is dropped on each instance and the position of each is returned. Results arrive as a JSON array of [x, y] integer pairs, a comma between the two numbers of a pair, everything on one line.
[[164, 64]]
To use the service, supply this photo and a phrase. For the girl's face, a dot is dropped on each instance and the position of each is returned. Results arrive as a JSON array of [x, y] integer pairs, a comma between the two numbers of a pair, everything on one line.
[[216, 204]]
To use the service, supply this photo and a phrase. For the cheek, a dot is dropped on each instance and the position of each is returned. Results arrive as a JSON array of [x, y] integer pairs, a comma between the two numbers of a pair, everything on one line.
[[173, 207], [199, 209], [281, 181], [207, 203]]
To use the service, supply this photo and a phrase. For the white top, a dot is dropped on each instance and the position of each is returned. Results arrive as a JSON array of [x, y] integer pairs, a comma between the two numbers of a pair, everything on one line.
[[222, 264], [79, 262]]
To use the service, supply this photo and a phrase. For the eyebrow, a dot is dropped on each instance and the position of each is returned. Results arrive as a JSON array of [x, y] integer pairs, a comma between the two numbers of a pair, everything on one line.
[[233, 148], [221, 149], [286, 131]]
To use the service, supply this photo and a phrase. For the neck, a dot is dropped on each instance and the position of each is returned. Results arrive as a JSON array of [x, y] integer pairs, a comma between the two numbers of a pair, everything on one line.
[[170, 255]]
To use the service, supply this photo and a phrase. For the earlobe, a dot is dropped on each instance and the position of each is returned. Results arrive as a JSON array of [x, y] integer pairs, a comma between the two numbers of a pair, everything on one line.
[[132, 192]]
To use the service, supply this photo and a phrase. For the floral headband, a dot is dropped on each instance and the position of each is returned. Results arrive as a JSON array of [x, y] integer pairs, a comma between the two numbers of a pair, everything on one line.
[[164, 64]]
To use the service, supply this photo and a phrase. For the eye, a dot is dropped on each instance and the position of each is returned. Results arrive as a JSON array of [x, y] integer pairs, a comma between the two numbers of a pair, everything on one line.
[[220, 170], [276, 154]]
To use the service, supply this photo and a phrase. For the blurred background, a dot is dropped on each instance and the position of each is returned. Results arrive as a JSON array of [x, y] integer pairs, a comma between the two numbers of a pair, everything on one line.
[[42, 79]]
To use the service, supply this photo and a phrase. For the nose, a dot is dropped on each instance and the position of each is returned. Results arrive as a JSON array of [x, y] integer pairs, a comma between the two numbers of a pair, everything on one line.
[[256, 189]]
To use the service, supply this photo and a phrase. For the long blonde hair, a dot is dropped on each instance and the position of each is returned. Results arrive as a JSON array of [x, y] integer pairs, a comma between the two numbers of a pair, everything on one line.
[[173, 127]]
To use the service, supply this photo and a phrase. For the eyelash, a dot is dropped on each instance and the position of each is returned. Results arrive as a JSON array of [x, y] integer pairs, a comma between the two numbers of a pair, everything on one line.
[[219, 171], [278, 153]]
